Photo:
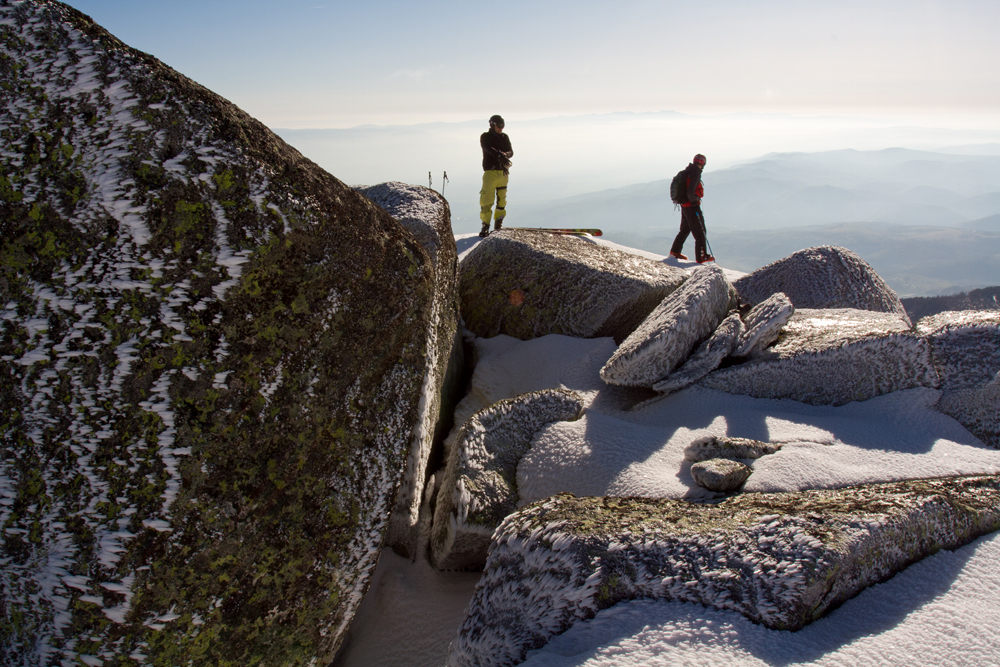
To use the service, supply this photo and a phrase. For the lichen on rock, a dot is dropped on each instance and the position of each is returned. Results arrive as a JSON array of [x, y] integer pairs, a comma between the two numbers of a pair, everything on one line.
[[528, 284], [726, 447], [722, 475], [782, 560], [202, 437]]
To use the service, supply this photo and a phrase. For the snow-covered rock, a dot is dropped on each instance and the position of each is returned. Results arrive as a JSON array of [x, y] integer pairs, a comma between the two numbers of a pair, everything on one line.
[[212, 359], [977, 409], [965, 346], [706, 357], [786, 561], [675, 327], [833, 356], [722, 475], [479, 486], [822, 277], [725, 447], [764, 323], [426, 215], [528, 284]]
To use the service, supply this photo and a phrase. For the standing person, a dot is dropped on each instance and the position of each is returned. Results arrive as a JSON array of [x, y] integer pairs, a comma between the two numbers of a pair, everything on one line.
[[496, 164], [692, 219]]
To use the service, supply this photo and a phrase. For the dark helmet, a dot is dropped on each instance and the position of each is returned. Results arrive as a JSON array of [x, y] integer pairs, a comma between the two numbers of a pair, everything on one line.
[[699, 159], [496, 120]]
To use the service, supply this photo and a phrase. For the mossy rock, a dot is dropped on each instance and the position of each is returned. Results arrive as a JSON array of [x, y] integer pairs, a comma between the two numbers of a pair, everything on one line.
[[203, 433]]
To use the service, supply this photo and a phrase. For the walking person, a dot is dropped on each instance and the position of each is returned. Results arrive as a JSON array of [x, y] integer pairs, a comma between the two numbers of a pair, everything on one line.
[[496, 171], [692, 219]]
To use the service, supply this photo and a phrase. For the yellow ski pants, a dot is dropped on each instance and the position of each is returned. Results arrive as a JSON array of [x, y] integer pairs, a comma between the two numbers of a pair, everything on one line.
[[494, 185]]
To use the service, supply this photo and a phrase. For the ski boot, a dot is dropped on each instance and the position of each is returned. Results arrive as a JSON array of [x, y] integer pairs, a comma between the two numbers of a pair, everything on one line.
[[678, 255], [498, 224], [485, 231]]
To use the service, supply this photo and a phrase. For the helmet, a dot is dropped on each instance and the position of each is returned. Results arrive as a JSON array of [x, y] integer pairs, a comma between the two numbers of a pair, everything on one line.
[[496, 120], [699, 159]]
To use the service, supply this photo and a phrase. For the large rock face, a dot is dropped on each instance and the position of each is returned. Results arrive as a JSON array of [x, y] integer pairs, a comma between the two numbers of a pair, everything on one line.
[[781, 560], [211, 358], [675, 327], [832, 357], [426, 215], [530, 284], [822, 277]]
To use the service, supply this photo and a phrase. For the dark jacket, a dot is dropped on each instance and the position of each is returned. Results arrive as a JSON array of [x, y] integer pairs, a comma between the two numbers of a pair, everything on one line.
[[492, 142], [695, 190]]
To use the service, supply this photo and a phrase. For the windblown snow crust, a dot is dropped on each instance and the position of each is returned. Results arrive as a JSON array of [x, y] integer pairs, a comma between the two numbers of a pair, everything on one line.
[[674, 328], [781, 560], [822, 277], [426, 215], [832, 357], [529, 284], [201, 436], [479, 486], [764, 323]]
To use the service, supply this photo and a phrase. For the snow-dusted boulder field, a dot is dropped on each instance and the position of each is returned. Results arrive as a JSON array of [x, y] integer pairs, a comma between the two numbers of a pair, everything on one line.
[[781, 560], [212, 361], [834, 356], [426, 215], [822, 277], [478, 487], [529, 284]]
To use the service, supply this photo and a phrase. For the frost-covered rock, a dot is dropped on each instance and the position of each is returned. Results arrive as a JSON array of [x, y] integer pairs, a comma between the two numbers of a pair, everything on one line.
[[781, 560], [764, 323], [822, 277], [977, 409], [426, 215], [202, 435], [722, 475], [479, 486], [833, 357], [724, 447], [965, 346], [706, 357], [529, 284], [674, 328]]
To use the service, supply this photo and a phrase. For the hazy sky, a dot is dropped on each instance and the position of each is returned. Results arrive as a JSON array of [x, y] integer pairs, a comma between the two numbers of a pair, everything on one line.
[[323, 63]]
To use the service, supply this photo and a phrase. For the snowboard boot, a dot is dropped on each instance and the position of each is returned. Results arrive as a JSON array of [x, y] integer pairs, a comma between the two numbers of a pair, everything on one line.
[[485, 231], [498, 224]]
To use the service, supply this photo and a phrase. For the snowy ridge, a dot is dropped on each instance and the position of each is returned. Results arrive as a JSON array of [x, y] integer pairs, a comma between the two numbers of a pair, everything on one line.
[[779, 560]]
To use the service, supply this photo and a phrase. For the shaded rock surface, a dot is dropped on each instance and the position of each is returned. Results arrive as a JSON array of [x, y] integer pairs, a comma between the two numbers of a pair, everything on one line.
[[764, 323], [426, 215], [724, 447], [781, 560], [833, 357], [675, 327], [706, 357], [722, 475], [977, 409], [822, 277], [202, 435], [479, 486], [965, 346], [529, 284]]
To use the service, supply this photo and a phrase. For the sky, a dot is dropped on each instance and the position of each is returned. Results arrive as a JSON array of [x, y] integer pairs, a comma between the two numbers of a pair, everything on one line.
[[326, 64]]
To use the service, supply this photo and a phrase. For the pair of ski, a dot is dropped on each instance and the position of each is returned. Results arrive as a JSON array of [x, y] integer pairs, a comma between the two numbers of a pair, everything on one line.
[[564, 232]]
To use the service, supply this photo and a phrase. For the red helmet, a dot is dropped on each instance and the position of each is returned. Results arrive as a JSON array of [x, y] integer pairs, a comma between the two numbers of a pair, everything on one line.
[[699, 159]]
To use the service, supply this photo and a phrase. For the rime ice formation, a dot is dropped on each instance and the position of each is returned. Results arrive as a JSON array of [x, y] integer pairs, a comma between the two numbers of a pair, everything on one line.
[[706, 357], [723, 447], [764, 323], [426, 215], [965, 347], [722, 475], [202, 438], [832, 357], [781, 560], [479, 486], [674, 328], [528, 284], [822, 277]]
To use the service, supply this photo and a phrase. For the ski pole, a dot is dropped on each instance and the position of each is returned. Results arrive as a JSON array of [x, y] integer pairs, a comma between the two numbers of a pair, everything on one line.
[[704, 231]]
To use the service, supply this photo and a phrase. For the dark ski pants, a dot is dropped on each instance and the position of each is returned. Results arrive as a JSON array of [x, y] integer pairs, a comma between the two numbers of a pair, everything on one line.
[[692, 222]]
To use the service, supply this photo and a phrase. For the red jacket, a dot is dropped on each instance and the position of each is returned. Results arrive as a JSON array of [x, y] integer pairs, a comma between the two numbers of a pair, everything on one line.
[[695, 189]]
